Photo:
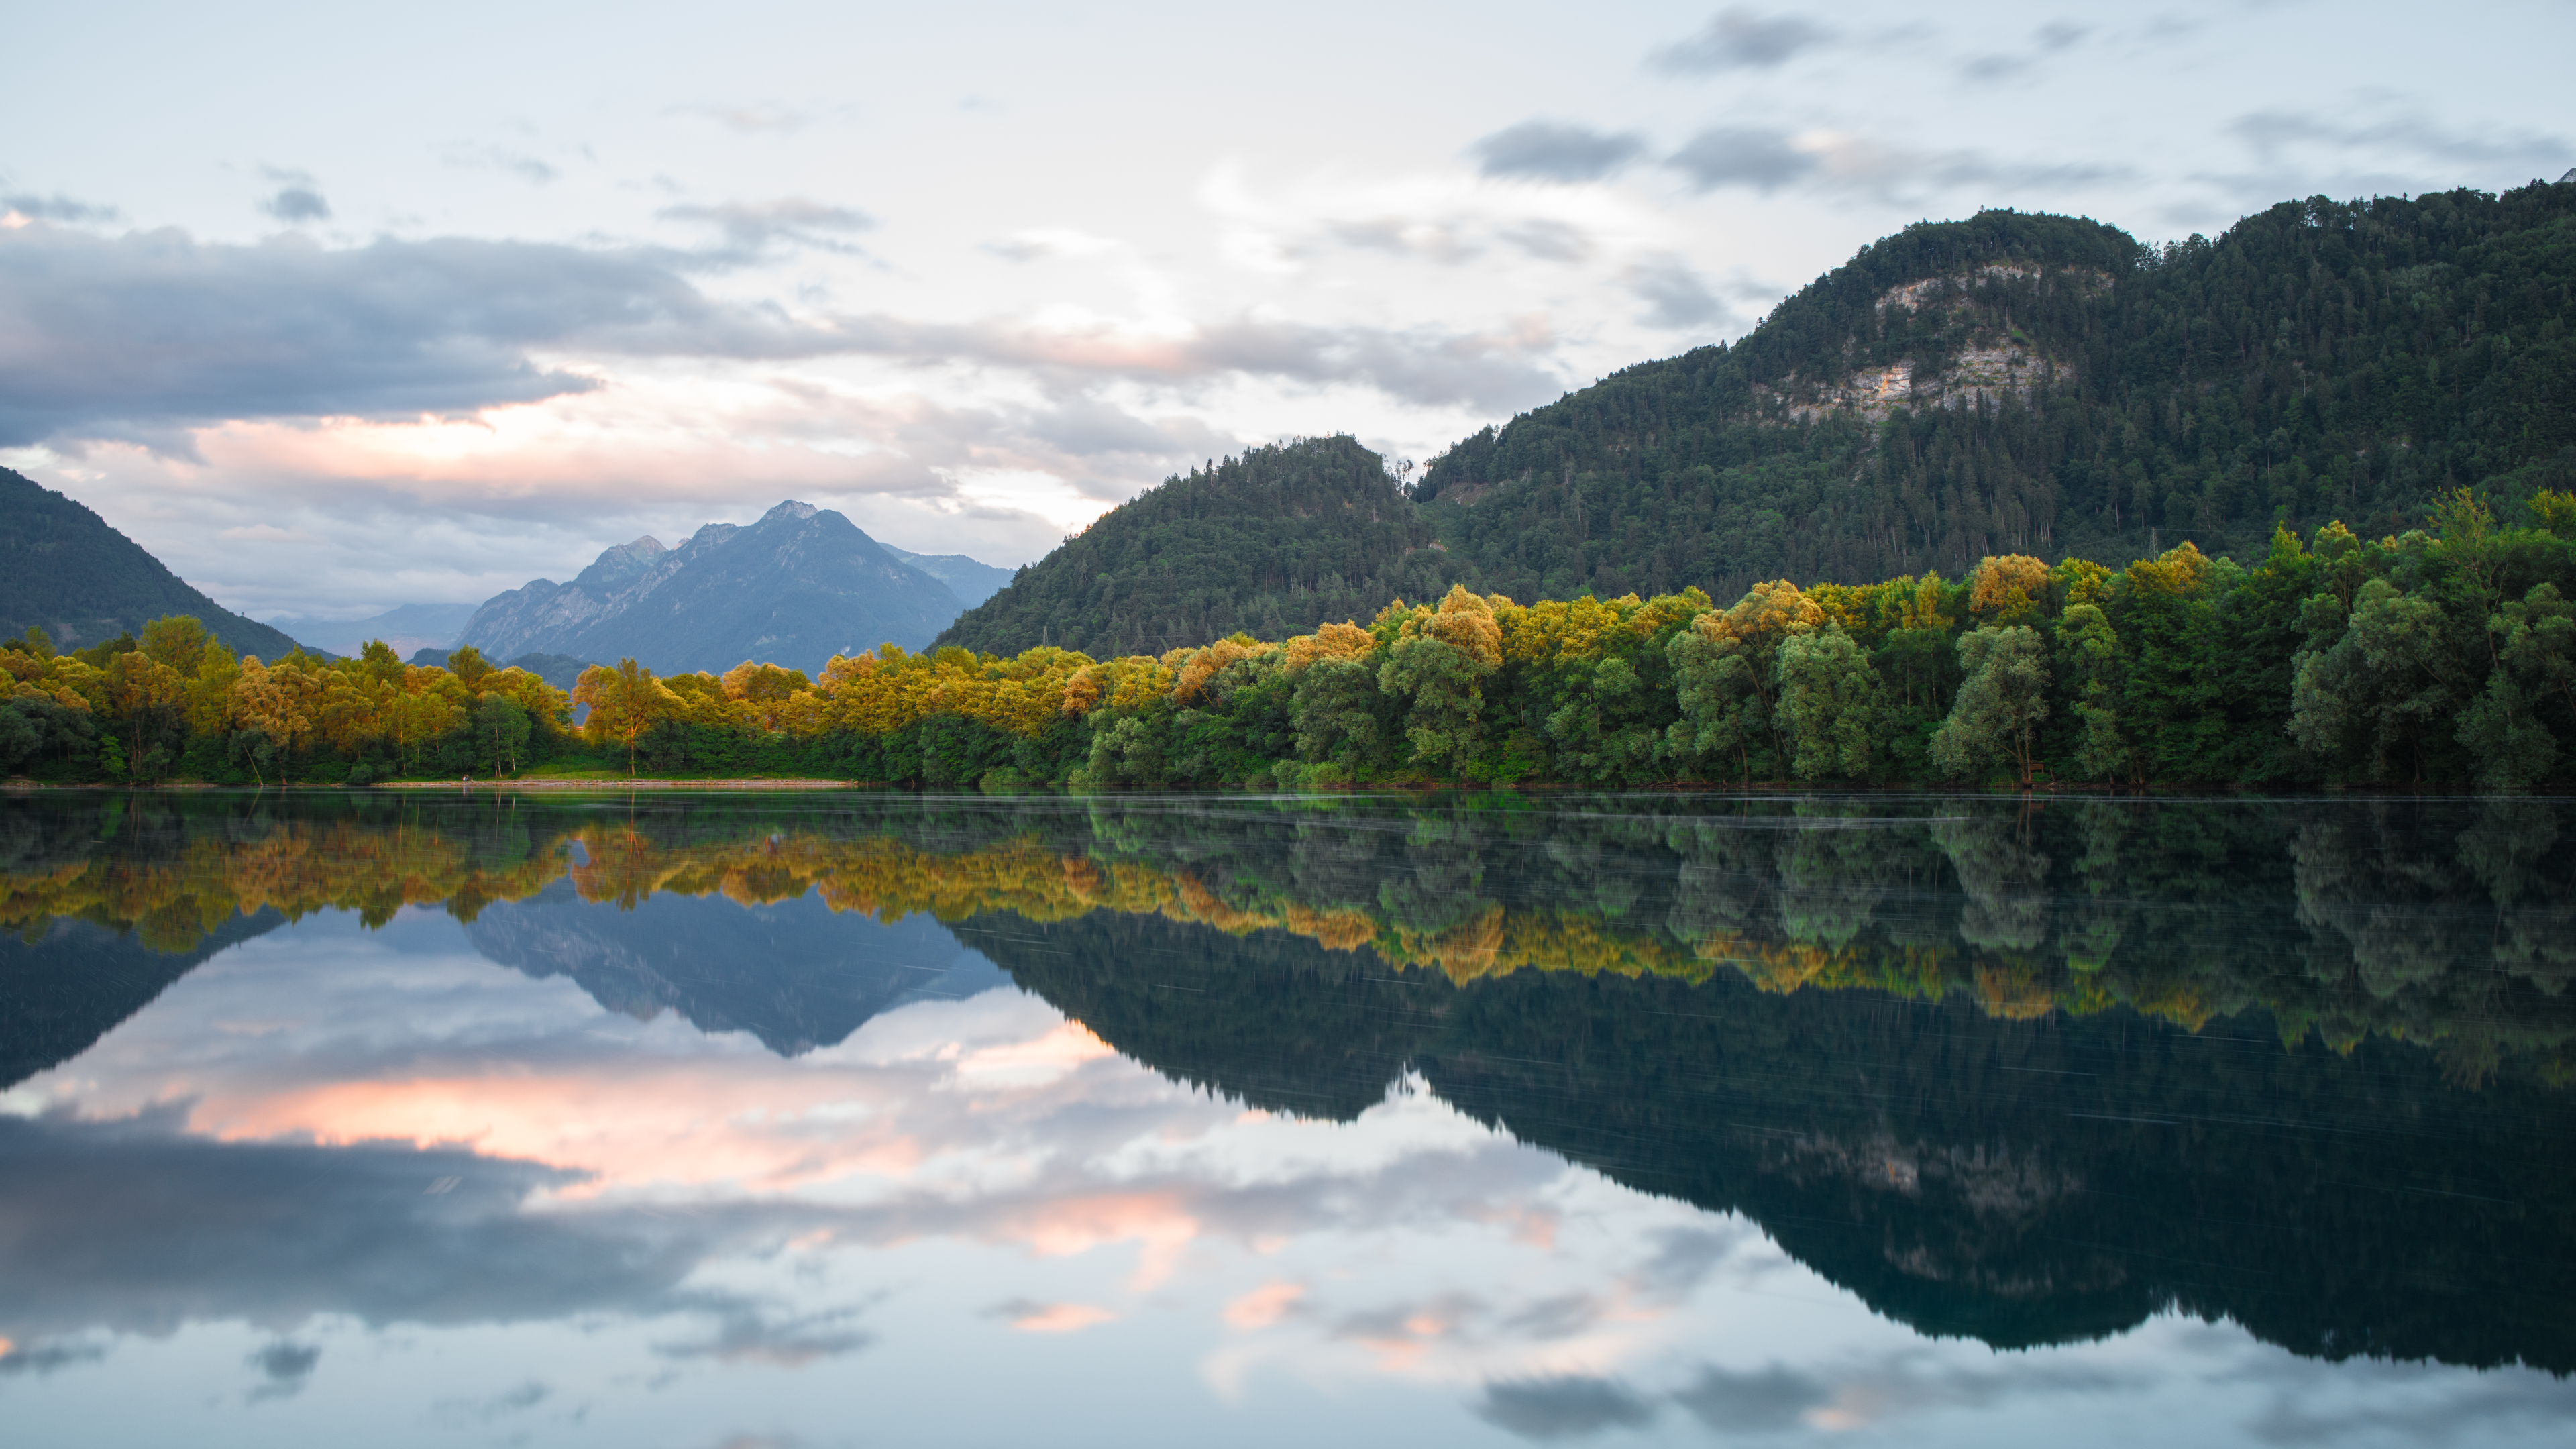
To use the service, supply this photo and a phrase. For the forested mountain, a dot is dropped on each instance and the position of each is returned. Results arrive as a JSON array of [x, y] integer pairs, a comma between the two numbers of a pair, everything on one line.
[[64, 570], [1269, 543], [799, 586], [2044, 385]]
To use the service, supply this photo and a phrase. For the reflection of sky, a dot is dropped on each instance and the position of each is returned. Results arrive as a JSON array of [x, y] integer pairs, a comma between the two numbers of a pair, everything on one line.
[[342, 1187]]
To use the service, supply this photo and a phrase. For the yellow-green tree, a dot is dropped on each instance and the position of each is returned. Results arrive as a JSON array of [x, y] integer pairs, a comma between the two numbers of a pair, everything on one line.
[[624, 702]]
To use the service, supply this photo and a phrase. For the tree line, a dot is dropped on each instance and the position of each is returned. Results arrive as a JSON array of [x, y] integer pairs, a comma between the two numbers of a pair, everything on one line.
[[2444, 657]]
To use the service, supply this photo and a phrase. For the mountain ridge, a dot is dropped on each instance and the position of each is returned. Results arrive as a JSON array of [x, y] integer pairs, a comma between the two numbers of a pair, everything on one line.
[[66, 570], [795, 587]]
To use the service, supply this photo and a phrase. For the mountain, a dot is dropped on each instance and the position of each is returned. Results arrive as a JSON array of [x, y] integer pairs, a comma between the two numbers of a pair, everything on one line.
[[2012, 383], [562, 671], [970, 580], [795, 973], [407, 627], [2046, 385], [63, 568], [795, 588], [69, 982], [1271, 543]]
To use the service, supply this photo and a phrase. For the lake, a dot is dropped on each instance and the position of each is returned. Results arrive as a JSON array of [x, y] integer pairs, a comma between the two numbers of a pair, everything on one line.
[[749, 1119]]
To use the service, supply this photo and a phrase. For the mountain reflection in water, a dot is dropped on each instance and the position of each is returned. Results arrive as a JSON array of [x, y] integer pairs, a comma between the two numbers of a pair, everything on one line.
[[2022, 1076]]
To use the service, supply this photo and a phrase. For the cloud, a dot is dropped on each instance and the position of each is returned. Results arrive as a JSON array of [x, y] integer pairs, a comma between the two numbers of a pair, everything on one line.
[[2272, 132], [745, 1336], [1751, 156], [2048, 40], [1740, 39], [472, 157], [26, 207], [287, 1366], [1486, 370], [1766, 159], [1549, 241], [1675, 297], [751, 229], [155, 330], [458, 1413], [298, 197], [1555, 151], [128, 1227], [1030, 1316], [1752, 1403], [1562, 1407]]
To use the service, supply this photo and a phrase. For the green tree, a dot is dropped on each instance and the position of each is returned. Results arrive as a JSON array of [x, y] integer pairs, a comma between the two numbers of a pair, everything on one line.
[[2000, 705], [2088, 665], [501, 728], [1831, 703]]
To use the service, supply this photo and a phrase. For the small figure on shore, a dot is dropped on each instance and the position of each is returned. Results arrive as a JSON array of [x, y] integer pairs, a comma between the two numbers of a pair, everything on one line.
[[469, 784]]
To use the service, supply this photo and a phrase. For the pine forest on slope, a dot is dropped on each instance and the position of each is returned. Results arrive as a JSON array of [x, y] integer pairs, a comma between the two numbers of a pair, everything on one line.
[[64, 570], [1265, 544], [2007, 384]]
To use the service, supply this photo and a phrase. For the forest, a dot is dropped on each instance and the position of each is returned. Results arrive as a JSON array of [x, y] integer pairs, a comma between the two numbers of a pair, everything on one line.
[[2440, 657], [2014, 383], [2020, 383]]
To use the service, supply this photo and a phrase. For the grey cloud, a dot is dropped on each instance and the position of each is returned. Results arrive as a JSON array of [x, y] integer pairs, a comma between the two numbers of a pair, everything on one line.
[[1555, 151], [2318, 1402], [2048, 40], [1550, 241], [130, 1227], [1564, 1407], [56, 207], [500, 158], [282, 1360], [2269, 132], [287, 1366], [1907, 1381], [1675, 297], [746, 1336], [45, 1357], [1683, 1258], [460, 1413], [1752, 1403], [154, 332], [1414, 365], [751, 228], [1765, 159], [1740, 39], [1439, 241], [1750, 156], [297, 203]]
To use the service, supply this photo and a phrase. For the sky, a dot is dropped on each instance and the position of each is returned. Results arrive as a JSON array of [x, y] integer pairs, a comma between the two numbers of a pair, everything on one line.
[[335, 309]]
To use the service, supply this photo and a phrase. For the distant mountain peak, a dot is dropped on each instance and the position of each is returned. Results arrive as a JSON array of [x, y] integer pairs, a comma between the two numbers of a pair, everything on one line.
[[793, 588]]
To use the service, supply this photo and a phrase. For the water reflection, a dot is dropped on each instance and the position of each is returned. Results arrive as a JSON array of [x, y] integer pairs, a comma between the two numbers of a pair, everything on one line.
[[2004, 1077]]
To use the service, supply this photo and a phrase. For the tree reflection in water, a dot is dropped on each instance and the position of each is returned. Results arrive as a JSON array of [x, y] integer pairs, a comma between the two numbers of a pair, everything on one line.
[[2028, 1074]]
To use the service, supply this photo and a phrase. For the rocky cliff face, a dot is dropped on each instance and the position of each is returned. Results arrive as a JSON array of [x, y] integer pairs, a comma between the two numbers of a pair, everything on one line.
[[795, 588]]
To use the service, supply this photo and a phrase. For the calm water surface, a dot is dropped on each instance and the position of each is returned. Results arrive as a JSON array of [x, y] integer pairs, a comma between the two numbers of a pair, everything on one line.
[[862, 1119]]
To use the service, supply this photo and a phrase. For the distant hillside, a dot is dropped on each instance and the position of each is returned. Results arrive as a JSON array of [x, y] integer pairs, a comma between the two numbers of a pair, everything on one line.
[[970, 580], [795, 588], [2045, 385], [64, 569], [560, 670], [406, 627], [1270, 543]]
